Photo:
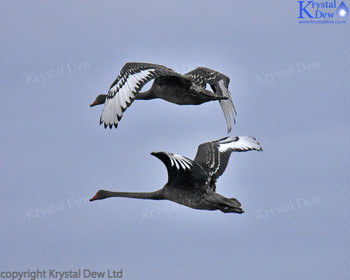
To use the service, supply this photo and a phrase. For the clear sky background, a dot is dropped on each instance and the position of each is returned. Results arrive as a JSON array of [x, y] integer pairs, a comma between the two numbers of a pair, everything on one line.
[[290, 85]]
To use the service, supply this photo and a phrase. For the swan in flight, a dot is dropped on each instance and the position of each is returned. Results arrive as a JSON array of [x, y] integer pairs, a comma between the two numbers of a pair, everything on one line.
[[193, 182], [187, 89]]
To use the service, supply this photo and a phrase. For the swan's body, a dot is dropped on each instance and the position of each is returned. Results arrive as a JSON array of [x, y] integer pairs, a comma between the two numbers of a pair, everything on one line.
[[193, 182], [188, 89]]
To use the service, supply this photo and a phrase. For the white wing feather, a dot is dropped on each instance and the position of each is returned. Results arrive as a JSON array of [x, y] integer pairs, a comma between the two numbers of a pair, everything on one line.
[[241, 143]]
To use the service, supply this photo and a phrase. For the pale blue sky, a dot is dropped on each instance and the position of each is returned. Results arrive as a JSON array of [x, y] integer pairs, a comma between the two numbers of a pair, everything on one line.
[[290, 85]]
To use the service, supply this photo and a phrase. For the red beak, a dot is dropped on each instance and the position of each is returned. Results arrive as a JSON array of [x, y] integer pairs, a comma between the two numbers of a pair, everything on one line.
[[93, 103], [93, 198]]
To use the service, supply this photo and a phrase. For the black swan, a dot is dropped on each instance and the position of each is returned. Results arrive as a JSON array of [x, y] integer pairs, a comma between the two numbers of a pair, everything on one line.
[[187, 89], [192, 182]]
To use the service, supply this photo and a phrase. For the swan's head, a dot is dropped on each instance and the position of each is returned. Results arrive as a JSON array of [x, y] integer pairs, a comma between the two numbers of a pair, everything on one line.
[[101, 194], [100, 99]]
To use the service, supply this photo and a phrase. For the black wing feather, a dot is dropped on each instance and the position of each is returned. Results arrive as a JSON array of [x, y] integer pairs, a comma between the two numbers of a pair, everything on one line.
[[219, 84], [183, 172], [213, 156]]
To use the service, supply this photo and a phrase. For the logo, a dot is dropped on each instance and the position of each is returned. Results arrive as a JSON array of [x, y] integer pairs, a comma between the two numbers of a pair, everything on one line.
[[342, 10], [322, 12]]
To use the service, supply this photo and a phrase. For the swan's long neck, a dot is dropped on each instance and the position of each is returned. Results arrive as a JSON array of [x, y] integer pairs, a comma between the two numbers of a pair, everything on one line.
[[140, 195]]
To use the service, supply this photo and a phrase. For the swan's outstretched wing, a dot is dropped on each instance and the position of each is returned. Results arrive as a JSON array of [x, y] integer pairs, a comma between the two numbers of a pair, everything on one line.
[[219, 84], [132, 77], [213, 156], [183, 172]]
